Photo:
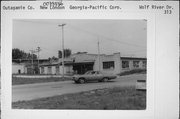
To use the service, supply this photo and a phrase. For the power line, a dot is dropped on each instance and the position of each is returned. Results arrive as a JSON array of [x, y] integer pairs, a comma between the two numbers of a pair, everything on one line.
[[38, 22], [106, 38], [89, 32], [49, 50]]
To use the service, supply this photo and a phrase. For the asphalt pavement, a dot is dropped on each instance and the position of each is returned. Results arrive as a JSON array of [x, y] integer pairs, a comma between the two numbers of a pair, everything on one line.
[[41, 90]]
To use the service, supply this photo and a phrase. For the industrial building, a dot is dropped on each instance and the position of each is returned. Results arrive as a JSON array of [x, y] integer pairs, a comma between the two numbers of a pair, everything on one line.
[[79, 63], [26, 66]]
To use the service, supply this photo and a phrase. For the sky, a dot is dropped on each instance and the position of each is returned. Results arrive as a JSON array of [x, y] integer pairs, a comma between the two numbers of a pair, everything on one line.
[[129, 37]]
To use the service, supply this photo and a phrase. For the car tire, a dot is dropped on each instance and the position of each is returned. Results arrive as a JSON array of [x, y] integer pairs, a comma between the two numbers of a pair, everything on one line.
[[105, 79], [99, 80], [76, 81], [81, 81]]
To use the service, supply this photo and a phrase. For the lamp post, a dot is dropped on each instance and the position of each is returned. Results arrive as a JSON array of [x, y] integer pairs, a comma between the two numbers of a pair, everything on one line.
[[32, 63], [99, 56]]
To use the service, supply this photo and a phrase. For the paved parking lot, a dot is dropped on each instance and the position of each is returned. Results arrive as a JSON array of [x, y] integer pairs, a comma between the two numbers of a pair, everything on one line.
[[40, 90]]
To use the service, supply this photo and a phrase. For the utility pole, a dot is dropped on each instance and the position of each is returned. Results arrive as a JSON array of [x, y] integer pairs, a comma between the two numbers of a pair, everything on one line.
[[99, 55], [38, 50], [32, 63], [62, 25]]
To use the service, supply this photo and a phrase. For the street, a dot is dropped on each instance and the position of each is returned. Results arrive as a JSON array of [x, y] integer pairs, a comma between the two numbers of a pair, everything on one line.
[[40, 90]]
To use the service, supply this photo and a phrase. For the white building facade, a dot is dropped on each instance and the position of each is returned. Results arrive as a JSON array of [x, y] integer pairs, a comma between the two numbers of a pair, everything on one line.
[[82, 62], [18, 68]]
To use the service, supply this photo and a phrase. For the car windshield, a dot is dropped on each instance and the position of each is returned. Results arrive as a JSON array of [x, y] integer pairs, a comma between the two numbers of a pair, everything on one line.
[[88, 72], [93, 72]]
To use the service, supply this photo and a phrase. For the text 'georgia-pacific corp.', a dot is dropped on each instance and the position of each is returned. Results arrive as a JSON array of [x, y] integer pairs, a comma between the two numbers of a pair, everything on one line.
[[93, 7]]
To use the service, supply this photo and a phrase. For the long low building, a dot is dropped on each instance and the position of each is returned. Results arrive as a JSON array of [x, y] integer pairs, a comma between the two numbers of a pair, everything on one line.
[[80, 63], [25, 66], [18, 68]]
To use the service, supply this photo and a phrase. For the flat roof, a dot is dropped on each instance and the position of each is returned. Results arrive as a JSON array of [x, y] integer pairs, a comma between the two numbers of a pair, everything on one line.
[[133, 58]]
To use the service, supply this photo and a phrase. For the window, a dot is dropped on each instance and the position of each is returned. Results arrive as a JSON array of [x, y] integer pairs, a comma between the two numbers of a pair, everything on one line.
[[136, 64], [57, 69], [108, 65], [93, 72], [144, 64], [88, 72], [125, 64], [42, 70], [49, 70]]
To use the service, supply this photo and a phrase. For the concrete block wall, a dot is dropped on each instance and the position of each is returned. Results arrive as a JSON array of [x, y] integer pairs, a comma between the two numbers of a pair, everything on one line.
[[53, 68], [16, 67], [105, 58]]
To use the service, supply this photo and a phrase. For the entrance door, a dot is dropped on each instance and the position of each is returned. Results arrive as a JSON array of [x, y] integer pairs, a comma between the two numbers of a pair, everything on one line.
[[57, 69], [49, 70], [19, 71]]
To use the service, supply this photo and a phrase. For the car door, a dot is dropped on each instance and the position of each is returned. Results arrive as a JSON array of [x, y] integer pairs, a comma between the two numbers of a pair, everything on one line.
[[93, 75], [98, 75], [90, 76]]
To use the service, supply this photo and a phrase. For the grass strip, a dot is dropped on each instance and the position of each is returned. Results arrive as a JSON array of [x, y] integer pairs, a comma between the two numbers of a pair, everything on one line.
[[100, 99], [134, 71], [20, 81]]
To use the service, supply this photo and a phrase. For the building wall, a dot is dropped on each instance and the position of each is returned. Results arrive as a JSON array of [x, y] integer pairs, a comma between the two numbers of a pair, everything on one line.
[[45, 68], [108, 58], [83, 57], [107, 63], [18, 67], [131, 64], [53, 68], [67, 70]]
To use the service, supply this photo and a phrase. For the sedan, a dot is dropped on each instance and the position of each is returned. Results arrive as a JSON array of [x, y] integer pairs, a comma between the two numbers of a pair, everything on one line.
[[93, 76]]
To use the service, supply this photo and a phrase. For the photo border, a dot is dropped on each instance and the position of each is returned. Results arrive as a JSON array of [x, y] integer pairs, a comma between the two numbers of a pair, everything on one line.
[[7, 67]]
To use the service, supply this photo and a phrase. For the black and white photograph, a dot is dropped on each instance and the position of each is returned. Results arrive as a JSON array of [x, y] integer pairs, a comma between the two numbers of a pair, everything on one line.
[[75, 64], [89, 59]]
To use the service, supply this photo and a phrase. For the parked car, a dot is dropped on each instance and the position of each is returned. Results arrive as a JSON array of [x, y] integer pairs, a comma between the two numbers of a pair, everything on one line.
[[93, 76]]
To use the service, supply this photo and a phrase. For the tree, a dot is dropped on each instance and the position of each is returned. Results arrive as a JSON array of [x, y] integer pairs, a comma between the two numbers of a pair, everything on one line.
[[81, 52], [52, 58], [17, 53], [67, 53], [20, 54]]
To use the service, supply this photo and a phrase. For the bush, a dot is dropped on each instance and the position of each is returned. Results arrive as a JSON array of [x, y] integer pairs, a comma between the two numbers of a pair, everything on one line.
[[133, 72]]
